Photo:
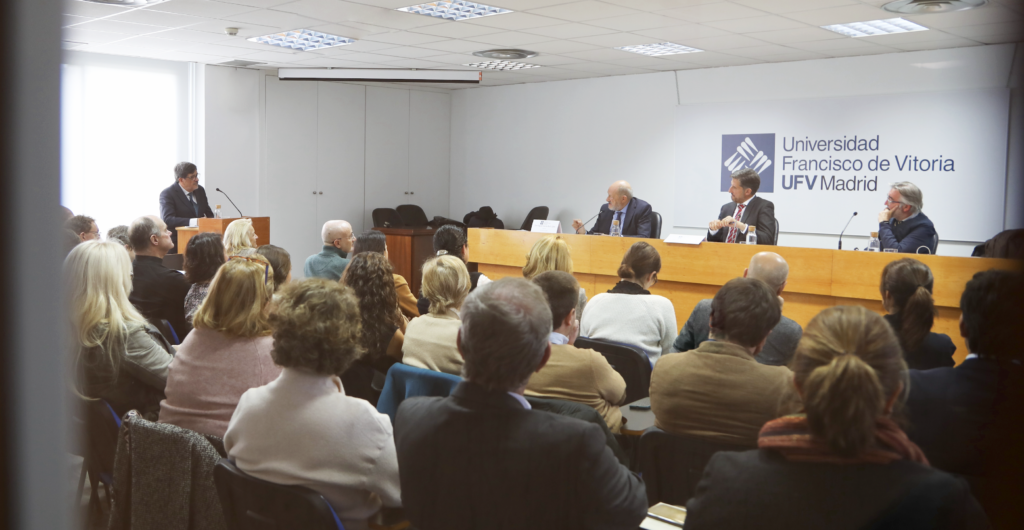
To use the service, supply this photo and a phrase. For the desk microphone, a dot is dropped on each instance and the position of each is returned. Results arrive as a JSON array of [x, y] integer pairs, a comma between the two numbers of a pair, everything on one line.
[[240, 211], [588, 220], [840, 233]]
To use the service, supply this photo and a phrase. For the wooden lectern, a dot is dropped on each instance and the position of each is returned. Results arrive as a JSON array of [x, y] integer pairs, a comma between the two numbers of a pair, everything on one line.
[[408, 248], [260, 224]]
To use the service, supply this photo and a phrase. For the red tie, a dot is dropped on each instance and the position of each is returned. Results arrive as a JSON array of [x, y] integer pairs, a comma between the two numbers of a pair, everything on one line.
[[733, 230]]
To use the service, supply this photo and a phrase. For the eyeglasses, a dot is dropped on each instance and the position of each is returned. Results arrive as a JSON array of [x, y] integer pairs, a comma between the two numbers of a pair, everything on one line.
[[266, 266], [890, 201]]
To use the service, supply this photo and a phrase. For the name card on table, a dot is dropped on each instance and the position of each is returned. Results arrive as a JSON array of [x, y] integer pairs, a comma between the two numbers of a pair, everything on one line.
[[543, 226], [684, 239]]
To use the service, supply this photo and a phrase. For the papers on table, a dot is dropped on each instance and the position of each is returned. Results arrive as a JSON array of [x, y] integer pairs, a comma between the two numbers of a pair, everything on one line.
[[684, 239]]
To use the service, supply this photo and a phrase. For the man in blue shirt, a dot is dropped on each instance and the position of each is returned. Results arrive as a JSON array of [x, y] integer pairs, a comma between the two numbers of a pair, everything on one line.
[[902, 225]]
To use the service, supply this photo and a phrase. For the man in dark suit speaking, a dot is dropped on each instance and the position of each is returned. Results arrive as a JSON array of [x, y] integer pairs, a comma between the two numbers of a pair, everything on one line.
[[184, 202], [633, 215], [745, 210]]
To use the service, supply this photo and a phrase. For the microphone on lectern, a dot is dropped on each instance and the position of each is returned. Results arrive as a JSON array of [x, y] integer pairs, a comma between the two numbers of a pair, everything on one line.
[[236, 206]]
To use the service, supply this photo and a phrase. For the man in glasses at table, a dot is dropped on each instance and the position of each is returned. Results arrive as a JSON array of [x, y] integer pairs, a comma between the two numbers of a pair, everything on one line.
[[184, 202], [902, 225]]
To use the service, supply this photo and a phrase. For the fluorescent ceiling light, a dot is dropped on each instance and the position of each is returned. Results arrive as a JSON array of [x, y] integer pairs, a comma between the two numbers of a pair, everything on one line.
[[303, 39], [389, 75], [502, 65], [875, 27], [454, 10], [662, 48]]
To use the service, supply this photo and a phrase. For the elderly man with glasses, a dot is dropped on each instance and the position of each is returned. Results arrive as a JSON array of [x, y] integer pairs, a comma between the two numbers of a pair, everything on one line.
[[902, 225], [184, 202]]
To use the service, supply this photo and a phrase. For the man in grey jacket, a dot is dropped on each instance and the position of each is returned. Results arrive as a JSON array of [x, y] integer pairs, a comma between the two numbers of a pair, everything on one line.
[[773, 270]]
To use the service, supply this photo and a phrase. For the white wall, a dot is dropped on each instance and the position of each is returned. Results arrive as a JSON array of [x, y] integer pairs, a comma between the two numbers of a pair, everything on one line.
[[561, 144], [230, 137]]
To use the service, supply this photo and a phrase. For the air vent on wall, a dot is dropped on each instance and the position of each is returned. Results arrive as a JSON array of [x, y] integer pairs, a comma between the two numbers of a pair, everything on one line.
[[924, 7], [239, 62]]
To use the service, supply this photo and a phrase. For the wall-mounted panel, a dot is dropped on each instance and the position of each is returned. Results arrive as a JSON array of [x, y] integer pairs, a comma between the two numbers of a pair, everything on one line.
[[430, 151], [387, 149], [341, 121]]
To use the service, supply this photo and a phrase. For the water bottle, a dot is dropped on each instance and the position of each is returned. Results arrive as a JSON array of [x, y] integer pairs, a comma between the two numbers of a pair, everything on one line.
[[874, 245], [217, 214], [615, 228], [751, 235]]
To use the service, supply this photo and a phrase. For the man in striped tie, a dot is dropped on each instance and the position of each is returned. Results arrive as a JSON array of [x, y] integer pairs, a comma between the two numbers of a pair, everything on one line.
[[744, 211], [184, 202]]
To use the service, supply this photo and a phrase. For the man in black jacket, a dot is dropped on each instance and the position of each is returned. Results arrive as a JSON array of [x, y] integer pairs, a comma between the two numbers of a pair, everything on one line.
[[634, 215], [745, 210], [157, 292], [481, 458], [184, 202]]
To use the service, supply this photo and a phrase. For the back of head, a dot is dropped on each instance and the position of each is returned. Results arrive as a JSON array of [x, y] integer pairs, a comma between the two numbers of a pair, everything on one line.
[[770, 268], [316, 327], [640, 260], [909, 282], [991, 311], [79, 224], [140, 232], [97, 282], [370, 241], [280, 260], [445, 283], [505, 330], [238, 298], [562, 291], [846, 366], [748, 178], [120, 234], [203, 256], [744, 311], [548, 254], [183, 170], [237, 236], [450, 239], [370, 276]]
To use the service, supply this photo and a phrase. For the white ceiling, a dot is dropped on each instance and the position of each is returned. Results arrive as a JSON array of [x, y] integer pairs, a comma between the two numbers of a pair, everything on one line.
[[575, 39]]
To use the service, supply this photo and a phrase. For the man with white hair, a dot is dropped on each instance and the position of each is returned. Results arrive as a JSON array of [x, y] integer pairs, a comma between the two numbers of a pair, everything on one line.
[[902, 225], [634, 215], [773, 270], [332, 260]]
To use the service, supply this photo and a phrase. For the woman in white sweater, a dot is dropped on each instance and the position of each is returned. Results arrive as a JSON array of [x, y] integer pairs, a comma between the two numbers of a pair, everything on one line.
[[302, 428], [629, 313]]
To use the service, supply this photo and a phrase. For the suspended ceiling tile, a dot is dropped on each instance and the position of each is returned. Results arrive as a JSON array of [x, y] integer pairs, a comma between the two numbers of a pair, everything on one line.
[[583, 11]]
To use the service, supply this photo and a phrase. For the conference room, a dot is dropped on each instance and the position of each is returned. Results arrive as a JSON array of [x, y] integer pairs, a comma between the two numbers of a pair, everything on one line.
[[767, 175]]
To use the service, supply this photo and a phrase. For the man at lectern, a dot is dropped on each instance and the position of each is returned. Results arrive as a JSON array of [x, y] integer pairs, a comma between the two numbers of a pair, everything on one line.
[[633, 215], [184, 202]]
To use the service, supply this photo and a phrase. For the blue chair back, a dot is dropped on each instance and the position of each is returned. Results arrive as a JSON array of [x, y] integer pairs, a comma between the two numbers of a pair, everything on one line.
[[250, 503], [404, 381]]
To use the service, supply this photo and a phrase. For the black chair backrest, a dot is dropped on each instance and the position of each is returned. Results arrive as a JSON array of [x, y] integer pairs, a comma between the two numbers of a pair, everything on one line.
[[387, 218], [174, 261], [655, 225], [672, 465], [413, 215], [629, 361], [775, 239], [540, 212], [99, 438], [250, 503]]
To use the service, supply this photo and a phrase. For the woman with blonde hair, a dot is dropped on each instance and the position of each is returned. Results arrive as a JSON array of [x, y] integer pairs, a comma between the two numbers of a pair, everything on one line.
[[552, 254], [844, 463], [430, 340], [906, 290], [239, 236], [227, 353], [118, 356]]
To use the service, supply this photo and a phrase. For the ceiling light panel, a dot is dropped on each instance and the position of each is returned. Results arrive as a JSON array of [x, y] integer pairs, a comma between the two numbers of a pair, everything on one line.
[[502, 65], [454, 10], [303, 39], [875, 27], [662, 48]]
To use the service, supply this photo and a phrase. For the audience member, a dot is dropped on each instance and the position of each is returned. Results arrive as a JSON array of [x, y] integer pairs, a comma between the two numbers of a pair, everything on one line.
[[84, 227], [227, 353], [902, 225], [773, 270], [907, 296], [302, 429], [330, 263], [845, 464], [118, 357], [158, 292], [743, 211], [574, 374], [204, 255], [552, 254], [430, 341], [451, 240], [629, 313], [718, 391], [239, 236], [120, 234], [280, 262], [969, 420], [482, 458], [374, 241], [71, 240]]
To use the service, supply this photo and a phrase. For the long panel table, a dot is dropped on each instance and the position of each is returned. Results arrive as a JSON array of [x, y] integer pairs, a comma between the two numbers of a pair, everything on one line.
[[818, 278]]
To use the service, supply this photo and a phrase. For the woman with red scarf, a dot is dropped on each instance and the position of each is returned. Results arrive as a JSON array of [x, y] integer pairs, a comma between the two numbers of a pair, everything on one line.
[[843, 463]]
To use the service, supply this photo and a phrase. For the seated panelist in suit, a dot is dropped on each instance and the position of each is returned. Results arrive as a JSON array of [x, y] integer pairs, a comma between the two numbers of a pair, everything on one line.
[[745, 210], [634, 215], [184, 202], [902, 225]]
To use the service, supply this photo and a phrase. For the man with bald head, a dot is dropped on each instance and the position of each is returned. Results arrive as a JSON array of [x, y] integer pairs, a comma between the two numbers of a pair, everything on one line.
[[157, 292], [332, 260], [773, 270], [633, 215]]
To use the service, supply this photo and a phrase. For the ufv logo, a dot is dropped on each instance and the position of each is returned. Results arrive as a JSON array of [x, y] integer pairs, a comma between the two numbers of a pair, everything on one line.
[[754, 151]]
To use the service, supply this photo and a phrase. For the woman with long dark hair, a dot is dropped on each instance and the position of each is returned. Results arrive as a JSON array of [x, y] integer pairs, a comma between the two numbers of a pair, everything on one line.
[[907, 296], [374, 241], [204, 255]]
